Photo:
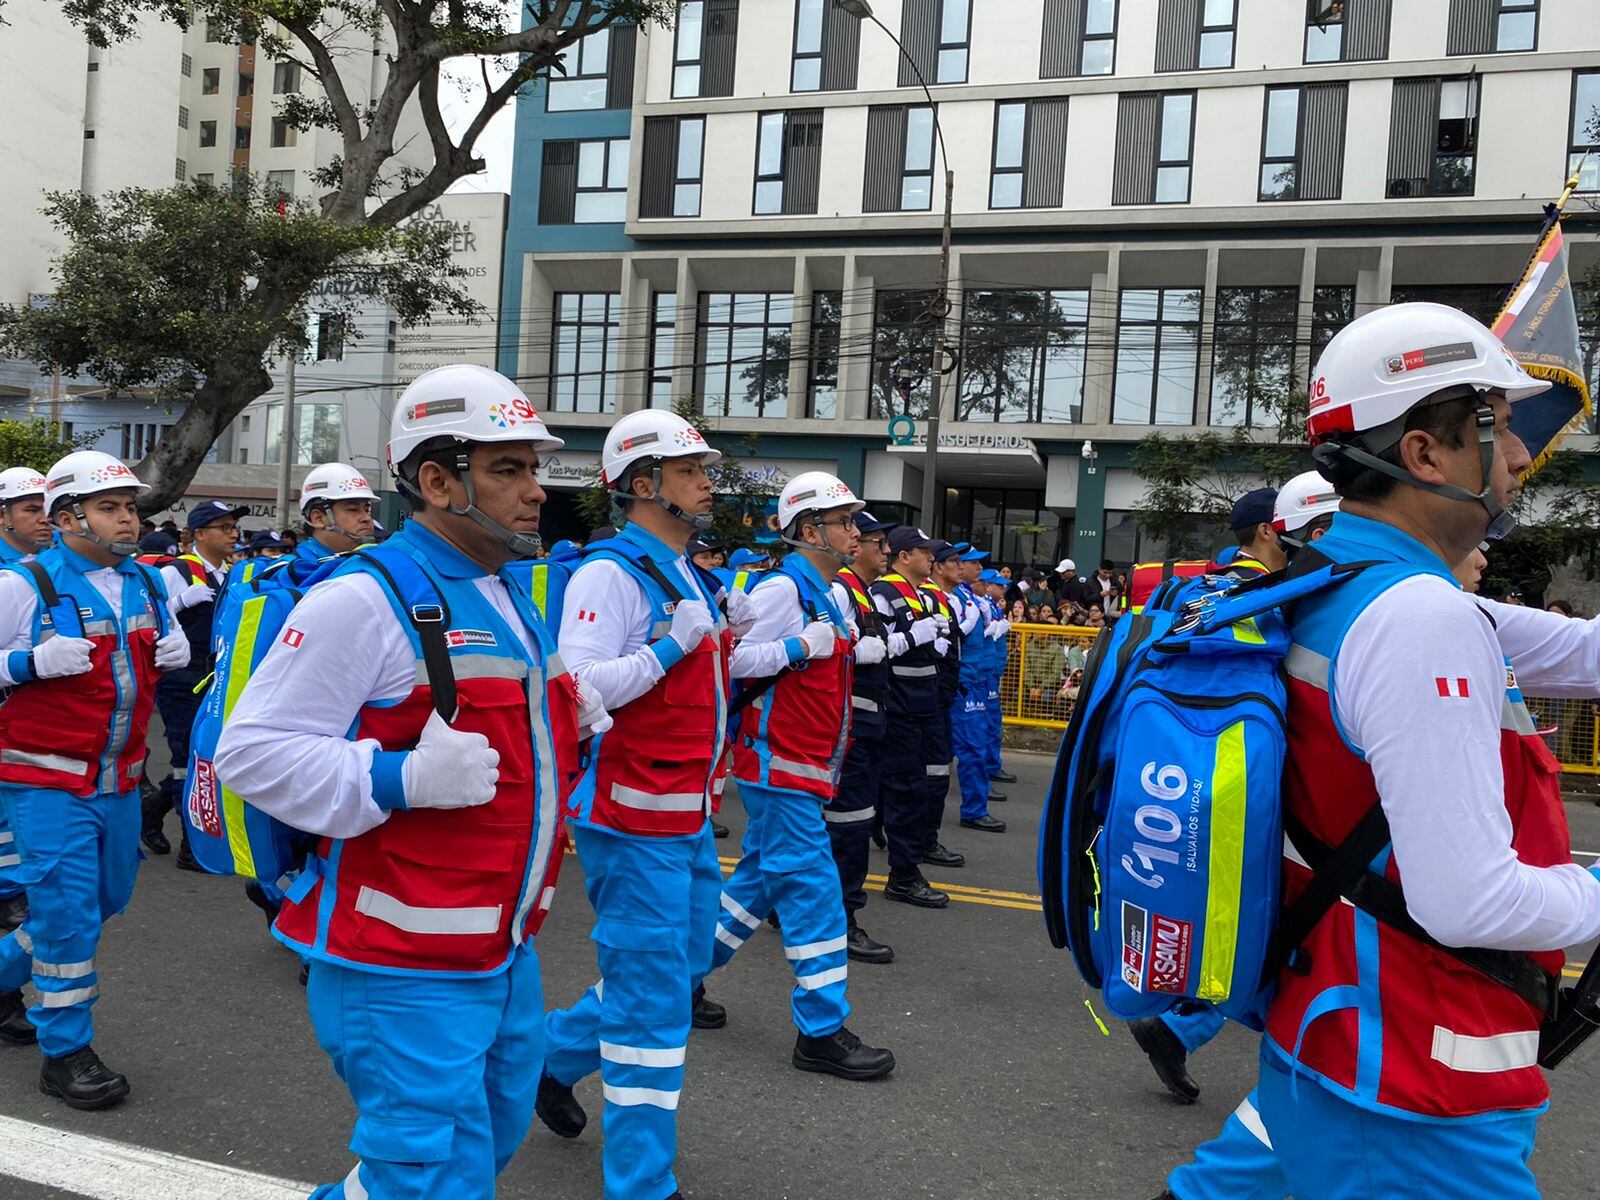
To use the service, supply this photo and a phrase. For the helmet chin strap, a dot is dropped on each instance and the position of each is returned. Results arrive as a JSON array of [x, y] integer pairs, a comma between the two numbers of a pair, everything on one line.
[[333, 526], [700, 521], [1501, 520], [844, 560], [521, 545], [120, 549]]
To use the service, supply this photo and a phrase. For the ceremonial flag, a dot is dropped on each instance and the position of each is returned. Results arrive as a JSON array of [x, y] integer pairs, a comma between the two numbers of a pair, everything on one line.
[[1539, 325]]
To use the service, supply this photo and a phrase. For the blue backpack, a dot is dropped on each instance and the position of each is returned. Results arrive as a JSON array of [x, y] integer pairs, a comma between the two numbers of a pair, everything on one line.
[[1161, 844]]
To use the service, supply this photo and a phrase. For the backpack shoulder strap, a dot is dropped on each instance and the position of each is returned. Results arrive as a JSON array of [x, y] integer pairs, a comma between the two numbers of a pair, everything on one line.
[[428, 615], [50, 600], [158, 593], [48, 596]]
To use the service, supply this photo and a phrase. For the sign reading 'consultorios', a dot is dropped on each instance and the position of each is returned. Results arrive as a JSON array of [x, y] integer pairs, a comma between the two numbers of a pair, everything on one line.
[[475, 255]]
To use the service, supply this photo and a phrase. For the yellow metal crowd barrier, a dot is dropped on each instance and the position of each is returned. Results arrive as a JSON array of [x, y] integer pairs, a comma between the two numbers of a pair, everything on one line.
[[1044, 664]]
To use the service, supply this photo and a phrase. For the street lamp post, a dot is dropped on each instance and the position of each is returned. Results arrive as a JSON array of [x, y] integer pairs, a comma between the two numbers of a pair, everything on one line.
[[932, 517]]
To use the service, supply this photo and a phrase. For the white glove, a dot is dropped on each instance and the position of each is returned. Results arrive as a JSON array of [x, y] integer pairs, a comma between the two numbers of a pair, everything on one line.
[[195, 593], [61, 656], [898, 645], [924, 630], [741, 612], [691, 622], [942, 621], [941, 646], [871, 650], [1005, 627], [819, 638], [449, 769], [592, 715], [172, 651], [992, 631]]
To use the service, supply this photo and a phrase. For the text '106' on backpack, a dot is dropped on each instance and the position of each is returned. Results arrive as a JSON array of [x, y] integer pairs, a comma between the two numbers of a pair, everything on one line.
[[1160, 851]]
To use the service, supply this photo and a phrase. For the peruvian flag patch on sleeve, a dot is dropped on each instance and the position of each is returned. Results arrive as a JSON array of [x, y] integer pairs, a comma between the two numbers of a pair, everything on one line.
[[1451, 689], [292, 637]]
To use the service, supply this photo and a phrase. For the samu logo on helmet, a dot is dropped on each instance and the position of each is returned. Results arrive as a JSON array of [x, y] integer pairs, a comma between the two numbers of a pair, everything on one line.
[[106, 473], [511, 413], [688, 436], [837, 490]]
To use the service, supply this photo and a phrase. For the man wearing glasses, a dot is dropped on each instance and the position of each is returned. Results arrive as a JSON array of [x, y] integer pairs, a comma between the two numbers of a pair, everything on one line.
[[193, 581]]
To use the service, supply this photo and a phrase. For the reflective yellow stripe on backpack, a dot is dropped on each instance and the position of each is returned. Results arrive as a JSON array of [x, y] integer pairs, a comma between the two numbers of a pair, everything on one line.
[[242, 656], [1226, 867]]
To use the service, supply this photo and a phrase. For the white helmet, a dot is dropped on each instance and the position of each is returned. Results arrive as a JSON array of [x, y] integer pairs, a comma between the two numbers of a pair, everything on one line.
[[333, 481], [814, 491], [468, 403], [86, 473], [18, 483], [650, 436], [1382, 365], [1301, 501]]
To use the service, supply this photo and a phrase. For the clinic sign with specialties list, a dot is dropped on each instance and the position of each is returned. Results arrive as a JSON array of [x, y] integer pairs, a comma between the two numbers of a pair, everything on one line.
[[477, 243]]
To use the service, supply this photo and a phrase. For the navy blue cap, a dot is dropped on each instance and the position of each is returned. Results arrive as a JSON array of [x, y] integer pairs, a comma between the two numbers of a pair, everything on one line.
[[867, 523], [1253, 508], [208, 512], [267, 539], [697, 546], [944, 551], [908, 537], [159, 542]]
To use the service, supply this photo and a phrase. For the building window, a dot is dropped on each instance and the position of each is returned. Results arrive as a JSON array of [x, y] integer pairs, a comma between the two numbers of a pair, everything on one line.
[[1492, 26], [1158, 356], [244, 455], [1481, 301], [210, 81], [139, 438], [208, 134], [827, 45], [788, 162], [1584, 136], [588, 330], [1195, 34], [1433, 137], [584, 84], [1252, 358], [247, 84], [1155, 148], [241, 137], [318, 434], [182, 172], [188, 65], [584, 183], [902, 348], [1333, 306], [1022, 355], [183, 117], [204, 177], [326, 335], [899, 174], [743, 353], [283, 134], [281, 183], [1302, 143], [937, 36], [1030, 147], [704, 48], [822, 365], [244, 423], [1080, 38], [663, 348], [286, 79], [1347, 30], [673, 167]]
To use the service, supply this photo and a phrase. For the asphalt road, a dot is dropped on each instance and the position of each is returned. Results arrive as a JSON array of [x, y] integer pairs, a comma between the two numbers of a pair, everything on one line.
[[1005, 1087]]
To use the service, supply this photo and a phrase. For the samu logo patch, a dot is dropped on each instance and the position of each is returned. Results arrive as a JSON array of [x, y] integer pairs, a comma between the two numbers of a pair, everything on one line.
[[469, 637]]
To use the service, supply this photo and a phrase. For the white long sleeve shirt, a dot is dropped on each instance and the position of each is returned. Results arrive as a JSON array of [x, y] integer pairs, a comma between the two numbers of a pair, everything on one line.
[[773, 642], [19, 602], [284, 748], [605, 629], [1434, 748]]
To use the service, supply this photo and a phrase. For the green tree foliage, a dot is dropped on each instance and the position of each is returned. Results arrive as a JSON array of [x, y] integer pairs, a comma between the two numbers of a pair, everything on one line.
[[33, 443], [151, 280]]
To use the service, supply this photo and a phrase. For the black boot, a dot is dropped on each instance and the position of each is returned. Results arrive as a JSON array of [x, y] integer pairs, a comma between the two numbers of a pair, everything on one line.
[[862, 948], [707, 1014], [775, 921], [257, 895], [559, 1109], [186, 860], [13, 912], [909, 887], [15, 1028], [882, 843], [1003, 777], [998, 797], [154, 805], [986, 824], [1167, 1056], [719, 830], [843, 1054], [81, 1080], [938, 856]]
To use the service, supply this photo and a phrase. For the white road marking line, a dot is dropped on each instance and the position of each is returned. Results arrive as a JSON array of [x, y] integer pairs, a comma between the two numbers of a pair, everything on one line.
[[1587, 853], [106, 1170]]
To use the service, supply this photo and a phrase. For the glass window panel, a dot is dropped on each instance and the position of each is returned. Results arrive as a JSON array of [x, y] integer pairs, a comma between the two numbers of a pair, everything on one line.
[[1172, 185], [780, 308], [1011, 121], [1140, 304], [690, 17], [1516, 31], [1218, 12], [594, 52], [1098, 56], [591, 164], [1587, 169], [617, 171], [1100, 16], [1278, 181], [916, 193], [686, 200], [919, 139], [769, 155], [574, 95], [686, 81], [808, 27], [1181, 304], [1324, 45], [769, 196], [1062, 390], [1175, 111], [953, 26], [1216, 49], [1586, 110], [1283, 122], [1176, 377], [569, 306], [691, 142], [599, 208], [1455, 100], [952, 66], [1136, 353], [1006, 192], [807, 75], [719, 308]]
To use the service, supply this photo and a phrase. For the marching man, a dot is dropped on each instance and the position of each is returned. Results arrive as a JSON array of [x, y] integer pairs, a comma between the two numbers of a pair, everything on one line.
[[414, 715], [85, 632], [797, 661], [336, 505]]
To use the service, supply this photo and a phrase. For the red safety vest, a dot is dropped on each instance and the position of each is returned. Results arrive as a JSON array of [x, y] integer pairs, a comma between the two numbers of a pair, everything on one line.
[[1146, 577]]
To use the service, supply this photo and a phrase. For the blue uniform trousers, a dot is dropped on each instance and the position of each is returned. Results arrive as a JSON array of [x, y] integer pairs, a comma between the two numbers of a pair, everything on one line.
[[969, 729], [850, 816], [655, 903], [788, 866], [994, 712], [443, 1073], [1195, 1027], [903, 788], [178, 706], [79, 860], [1315, 1145], [10, 860]]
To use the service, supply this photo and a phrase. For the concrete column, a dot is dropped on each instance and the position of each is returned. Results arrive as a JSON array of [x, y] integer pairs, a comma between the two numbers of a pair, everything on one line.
[[1208, 334], [683, 380], [855, 341], [1375, 283], [634, 330], [800, 338], [535, 356], [1100, 359], [1305, 315]]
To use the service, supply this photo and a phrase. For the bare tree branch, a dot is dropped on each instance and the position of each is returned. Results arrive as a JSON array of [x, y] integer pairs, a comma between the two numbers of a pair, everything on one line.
[[328, 76]]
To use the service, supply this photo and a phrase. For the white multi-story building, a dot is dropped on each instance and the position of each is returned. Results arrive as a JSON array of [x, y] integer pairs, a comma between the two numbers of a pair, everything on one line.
[[1162, 210]]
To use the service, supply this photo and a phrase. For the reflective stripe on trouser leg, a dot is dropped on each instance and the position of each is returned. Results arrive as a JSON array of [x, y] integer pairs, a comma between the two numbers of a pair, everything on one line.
[[996, 717], [744, 902], [969, 728], [10, 861], [796, 867], [443, 1073], [1237, 1164]]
